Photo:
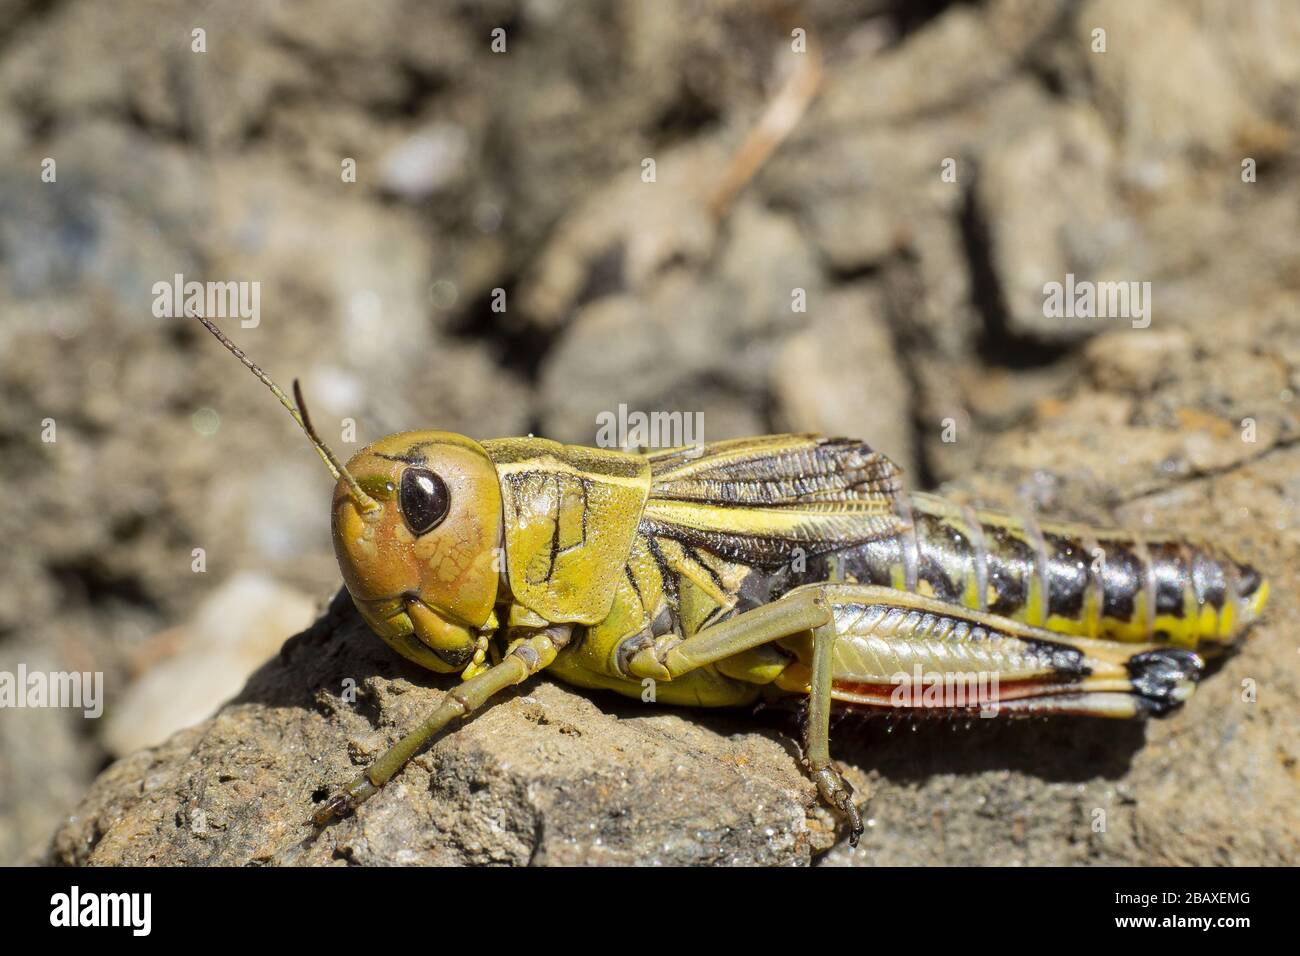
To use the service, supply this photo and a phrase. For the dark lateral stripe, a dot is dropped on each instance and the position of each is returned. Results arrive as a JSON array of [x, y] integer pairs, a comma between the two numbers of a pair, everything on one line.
[[943, 553], [1011, 564], [1172, 574], [762, 550], [693, 554], [666, 574], [1122, 574], [631, 579], [1068, 576]]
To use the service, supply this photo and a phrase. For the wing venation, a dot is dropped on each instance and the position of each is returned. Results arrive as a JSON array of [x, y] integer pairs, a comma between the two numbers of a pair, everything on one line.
[[757, 500]]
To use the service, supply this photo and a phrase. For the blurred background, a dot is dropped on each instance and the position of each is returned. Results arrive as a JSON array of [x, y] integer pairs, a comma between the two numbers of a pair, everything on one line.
[[918, 169]]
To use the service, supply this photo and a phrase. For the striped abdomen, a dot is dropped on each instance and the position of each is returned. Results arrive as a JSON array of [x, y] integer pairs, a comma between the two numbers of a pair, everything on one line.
[[1067, 578]]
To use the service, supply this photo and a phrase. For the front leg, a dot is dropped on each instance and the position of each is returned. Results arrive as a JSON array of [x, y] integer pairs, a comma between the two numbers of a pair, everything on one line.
[[525, 658]]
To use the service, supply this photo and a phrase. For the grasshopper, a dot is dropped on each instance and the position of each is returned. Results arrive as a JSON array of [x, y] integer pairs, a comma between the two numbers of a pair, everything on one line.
[[751, 569]]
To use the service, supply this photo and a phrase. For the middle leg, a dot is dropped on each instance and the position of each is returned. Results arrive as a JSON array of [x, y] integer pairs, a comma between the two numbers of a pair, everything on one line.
[[796, 613], [832, 786]]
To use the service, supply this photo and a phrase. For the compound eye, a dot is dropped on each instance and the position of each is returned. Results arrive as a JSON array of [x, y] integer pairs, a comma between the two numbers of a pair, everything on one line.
[[423, 499]]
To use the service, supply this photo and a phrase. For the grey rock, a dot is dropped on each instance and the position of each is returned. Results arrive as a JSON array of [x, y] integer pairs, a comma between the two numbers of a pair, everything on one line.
[[543, 775]]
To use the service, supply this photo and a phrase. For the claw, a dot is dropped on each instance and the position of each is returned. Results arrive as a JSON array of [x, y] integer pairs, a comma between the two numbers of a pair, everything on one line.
[[341, 804], [335, 806], [838, 792], [850, 810]]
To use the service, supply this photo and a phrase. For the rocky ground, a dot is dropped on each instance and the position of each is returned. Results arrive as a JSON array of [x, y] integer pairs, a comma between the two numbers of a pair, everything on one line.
[[522, 171]]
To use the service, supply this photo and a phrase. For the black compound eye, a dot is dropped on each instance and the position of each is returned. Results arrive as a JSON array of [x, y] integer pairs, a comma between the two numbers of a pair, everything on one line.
[[423, 499]]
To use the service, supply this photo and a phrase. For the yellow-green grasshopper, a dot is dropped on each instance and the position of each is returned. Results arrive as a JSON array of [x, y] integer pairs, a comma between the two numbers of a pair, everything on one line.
[[753, 568]]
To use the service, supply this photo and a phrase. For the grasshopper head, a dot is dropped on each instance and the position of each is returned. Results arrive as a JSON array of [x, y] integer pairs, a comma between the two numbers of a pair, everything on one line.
[[418, 551], [417, 524]]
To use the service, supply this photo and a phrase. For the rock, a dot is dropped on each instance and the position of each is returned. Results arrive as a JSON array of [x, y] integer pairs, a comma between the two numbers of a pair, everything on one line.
[[1160, 119], [952, 58], [623, 237], [544, 775], [842, 376], [235, 629], [687, 340], [425, 162], [1036, 237]]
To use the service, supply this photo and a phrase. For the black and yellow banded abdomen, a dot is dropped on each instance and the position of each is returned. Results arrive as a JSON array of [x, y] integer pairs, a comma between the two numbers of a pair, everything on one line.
[[1068, 578], [799, 509]]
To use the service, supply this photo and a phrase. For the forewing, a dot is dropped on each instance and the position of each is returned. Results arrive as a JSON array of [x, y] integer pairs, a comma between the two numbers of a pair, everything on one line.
[[763, 501]]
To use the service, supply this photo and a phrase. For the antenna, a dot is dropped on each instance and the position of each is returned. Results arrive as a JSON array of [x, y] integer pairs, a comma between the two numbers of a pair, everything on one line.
[[298, 409]]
